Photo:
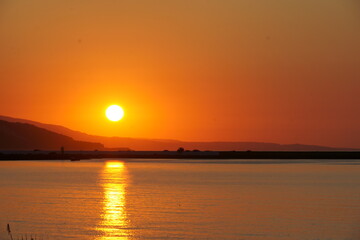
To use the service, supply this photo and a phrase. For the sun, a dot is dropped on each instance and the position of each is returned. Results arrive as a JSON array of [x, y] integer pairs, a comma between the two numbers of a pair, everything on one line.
[[114, 113]]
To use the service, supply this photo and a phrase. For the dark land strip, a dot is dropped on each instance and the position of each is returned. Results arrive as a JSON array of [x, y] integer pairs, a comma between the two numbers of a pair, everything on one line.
[[78, 155]]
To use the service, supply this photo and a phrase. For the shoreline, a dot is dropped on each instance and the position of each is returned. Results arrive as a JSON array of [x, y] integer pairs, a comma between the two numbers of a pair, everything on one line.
[[82, 155]]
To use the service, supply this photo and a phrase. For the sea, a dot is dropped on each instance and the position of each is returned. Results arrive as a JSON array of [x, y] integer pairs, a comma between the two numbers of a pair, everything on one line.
[[180, 199]]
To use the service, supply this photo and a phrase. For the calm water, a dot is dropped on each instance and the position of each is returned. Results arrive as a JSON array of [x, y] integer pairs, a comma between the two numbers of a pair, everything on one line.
[[173, 200]]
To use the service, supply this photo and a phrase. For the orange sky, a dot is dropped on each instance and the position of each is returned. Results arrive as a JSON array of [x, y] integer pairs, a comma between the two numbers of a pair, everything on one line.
[[274, 71]]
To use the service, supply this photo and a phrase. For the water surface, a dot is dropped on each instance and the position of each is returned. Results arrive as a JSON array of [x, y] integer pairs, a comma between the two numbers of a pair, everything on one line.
[[181, 199]]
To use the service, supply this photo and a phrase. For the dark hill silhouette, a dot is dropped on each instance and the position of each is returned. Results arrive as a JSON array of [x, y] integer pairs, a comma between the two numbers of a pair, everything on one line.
[[162, 144], [23, 136]]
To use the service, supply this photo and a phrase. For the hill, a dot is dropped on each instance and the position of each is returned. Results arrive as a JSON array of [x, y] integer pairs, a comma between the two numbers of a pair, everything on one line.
[[24, 136], [161, 144]]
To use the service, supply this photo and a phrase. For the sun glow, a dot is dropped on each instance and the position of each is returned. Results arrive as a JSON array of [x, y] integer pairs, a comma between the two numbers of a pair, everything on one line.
[[114, 113]]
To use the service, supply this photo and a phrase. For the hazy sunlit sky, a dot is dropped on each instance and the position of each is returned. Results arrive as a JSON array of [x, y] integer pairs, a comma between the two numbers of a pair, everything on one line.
[[285, 71]]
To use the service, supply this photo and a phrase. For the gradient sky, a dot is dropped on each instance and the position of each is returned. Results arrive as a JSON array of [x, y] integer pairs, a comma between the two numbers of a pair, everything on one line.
[[283, 71]]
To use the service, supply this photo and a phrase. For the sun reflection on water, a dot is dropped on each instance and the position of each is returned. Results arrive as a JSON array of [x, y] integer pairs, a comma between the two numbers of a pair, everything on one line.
[[114, 224]]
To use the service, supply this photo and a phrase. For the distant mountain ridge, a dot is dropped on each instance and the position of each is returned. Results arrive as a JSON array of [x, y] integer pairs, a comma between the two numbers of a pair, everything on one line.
[[24, 136], [164, 144]]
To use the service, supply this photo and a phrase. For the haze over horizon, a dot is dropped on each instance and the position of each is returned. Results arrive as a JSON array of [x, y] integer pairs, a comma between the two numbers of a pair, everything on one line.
[[265, 71]]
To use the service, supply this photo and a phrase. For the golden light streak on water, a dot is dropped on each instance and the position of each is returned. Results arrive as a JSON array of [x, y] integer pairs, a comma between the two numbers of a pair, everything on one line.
[[114, 224]]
